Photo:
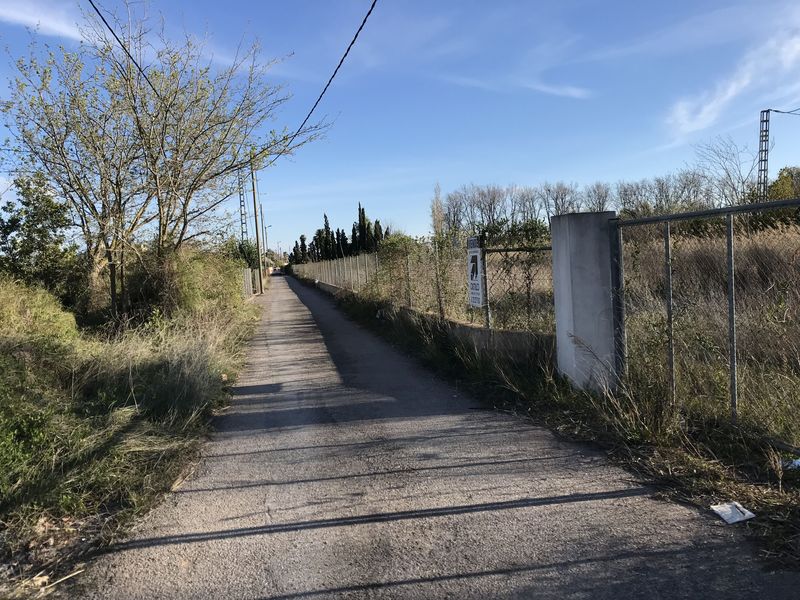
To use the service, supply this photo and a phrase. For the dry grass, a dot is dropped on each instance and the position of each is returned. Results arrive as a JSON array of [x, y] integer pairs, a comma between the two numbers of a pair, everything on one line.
[[767, 320], [94, 429]]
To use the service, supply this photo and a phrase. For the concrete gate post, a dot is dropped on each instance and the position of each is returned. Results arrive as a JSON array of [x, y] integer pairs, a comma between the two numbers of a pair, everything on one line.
[[582, 287]]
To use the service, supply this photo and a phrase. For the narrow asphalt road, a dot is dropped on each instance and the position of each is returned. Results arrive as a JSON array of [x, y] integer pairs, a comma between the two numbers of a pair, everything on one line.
[[345, 470]]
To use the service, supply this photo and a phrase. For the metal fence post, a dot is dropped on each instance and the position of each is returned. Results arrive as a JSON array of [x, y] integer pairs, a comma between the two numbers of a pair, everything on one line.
[[670, 331], [618, 300], [732, 323], [486, 308]]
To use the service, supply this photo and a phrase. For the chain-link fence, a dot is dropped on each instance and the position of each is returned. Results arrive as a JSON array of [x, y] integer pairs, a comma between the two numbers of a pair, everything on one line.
[[712, 314], [520, 288], [431, 277]]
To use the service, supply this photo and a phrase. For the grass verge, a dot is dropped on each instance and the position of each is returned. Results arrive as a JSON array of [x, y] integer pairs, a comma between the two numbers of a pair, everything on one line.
[[702, 461], [95, 429]]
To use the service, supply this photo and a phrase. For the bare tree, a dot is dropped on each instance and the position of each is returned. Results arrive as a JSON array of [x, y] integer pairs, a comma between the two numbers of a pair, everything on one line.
[[731, 170], [560, 198], [527, 203], [455, 212], [597, 197], [692, 189], [491, 206]]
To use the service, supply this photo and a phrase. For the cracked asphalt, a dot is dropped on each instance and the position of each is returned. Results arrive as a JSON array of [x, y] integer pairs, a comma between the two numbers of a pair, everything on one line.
[[343, 469]]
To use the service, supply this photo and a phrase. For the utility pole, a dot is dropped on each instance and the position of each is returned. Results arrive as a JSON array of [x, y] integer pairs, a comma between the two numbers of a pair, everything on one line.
[[242, 207], [264, 231], [258, 237], [263, 228], [763, 156]]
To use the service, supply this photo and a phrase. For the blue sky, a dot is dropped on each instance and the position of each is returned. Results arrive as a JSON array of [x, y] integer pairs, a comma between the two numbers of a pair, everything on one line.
[[500, 92]]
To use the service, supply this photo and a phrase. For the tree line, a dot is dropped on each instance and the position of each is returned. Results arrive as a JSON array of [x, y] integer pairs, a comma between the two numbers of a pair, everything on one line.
[[724, 175], [329, 244]]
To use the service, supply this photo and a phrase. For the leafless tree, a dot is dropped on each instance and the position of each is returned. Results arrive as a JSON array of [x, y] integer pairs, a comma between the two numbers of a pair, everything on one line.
[[560, 198], [527, 203], [731, 170], [597, 197]]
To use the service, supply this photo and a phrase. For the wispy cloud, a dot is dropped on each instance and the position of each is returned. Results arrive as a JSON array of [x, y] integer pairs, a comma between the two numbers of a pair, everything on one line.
[[531, 73], [729, 24], [763, 67], [48, 18], [509, 84], [565, 91]]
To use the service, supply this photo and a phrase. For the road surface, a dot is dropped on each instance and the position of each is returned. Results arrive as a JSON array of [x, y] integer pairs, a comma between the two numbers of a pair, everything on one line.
[[345, 470]]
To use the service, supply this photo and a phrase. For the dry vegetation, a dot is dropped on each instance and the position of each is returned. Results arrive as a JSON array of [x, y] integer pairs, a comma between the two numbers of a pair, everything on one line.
[[94, 428], [767, 270]]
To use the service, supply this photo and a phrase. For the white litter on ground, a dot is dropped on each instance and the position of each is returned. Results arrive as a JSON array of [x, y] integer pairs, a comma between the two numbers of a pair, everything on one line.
[[732, 512]]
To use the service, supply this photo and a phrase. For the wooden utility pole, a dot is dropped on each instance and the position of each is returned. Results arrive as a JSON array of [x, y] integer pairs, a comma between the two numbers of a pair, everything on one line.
[[258, 237]]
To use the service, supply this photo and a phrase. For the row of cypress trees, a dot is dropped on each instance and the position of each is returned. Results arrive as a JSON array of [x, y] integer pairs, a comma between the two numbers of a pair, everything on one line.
[[329, 244]]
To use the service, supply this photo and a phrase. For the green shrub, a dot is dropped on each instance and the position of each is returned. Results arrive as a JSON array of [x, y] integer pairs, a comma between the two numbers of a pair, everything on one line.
[[96, 427]]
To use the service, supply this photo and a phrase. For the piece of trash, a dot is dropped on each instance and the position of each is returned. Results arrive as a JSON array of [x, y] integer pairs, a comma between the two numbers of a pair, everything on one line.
[[732, 512], [792, 464]]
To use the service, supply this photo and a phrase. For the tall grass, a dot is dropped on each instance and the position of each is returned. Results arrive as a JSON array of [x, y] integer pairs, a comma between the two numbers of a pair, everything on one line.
[[93, 428], [767, 275]]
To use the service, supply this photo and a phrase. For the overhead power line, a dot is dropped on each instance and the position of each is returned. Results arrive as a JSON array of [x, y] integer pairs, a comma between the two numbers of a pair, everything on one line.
[[325, 89], [297, 132], [795, 112], [124, 48]]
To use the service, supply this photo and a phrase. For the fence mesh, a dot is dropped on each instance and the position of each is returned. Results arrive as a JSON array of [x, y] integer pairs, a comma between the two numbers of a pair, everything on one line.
[[432, 278], [762, 338], [520, 289]]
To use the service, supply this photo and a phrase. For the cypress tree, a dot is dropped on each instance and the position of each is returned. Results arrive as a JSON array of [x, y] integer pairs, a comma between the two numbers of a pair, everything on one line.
[[362, 228], [327, 240], [354, 240], [303, 249], [296, 254]]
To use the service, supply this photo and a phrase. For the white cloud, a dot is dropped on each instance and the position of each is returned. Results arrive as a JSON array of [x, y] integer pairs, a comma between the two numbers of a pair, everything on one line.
[[527, 74], [507, 84], [48, 18], [762, 69], [566, 91]]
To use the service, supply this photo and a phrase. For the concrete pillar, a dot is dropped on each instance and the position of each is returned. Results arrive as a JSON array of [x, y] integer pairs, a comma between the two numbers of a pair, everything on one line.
[[582, 286]]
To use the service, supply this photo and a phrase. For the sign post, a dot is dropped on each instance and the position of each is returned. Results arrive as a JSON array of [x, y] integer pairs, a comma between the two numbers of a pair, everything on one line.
[[476, 276]]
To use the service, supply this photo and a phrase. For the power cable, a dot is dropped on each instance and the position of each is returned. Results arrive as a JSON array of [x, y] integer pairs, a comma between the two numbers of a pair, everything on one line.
[[325, 89], [124, 48], [795, 112]]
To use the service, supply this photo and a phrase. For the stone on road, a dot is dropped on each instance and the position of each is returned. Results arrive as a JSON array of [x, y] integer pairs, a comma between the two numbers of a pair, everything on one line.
[[344, 469]]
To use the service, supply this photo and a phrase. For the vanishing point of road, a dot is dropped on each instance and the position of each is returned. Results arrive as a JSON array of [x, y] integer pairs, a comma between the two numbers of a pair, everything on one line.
[[343, 469]]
